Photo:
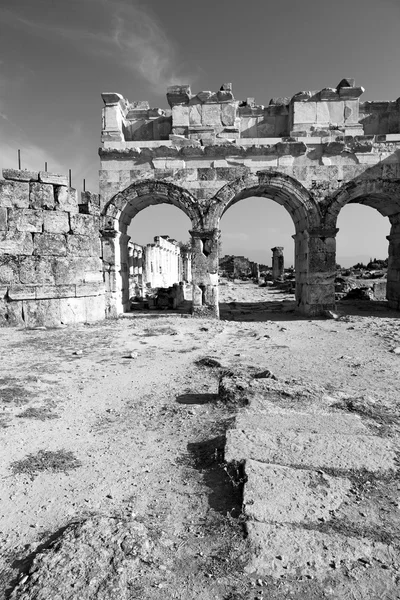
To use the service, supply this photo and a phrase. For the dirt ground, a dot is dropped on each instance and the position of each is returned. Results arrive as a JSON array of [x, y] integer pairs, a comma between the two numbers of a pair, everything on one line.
[[114, 483]]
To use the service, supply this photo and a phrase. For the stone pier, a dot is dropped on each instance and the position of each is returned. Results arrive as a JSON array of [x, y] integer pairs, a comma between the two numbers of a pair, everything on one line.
[[278, 265]]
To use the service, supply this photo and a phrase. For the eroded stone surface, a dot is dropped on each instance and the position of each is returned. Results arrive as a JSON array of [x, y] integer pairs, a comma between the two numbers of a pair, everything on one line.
[[277, 494]]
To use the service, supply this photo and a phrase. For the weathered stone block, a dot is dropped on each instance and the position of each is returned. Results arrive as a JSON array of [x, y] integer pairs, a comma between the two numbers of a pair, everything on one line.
[[3, 219], [82, 245], [55, 291], [195, 114], [26, 219], [22, 292], [34, 270], [56, 222], [52, 178], [90, 289], [41, 196], [180, 116], [66, 199], [330, 112], [9, 268], [211, 116], [228, 114], [95, 308], [304, 112], [72, 310], [11, 314], [14, 194], [84, 224], [41, 313], [50, 244], [20, 175], [16, 242]]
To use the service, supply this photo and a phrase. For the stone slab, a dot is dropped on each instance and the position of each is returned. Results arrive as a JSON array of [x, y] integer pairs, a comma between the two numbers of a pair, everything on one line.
[[20, 175], [66, 199], [316, 450], [16, 242], [26, 219], [274, 493], [281, 551], [53, 178], [288, 420]]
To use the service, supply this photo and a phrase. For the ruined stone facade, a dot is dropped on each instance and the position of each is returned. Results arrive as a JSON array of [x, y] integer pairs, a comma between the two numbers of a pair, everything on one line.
[[50, 267], [312, 153]]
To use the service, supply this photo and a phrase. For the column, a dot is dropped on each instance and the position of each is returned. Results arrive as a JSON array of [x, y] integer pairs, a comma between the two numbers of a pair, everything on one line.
[[205, 254], [315, 265]]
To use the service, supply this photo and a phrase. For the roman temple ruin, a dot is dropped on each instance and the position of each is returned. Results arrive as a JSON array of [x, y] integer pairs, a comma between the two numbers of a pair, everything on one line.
[[312, 153]]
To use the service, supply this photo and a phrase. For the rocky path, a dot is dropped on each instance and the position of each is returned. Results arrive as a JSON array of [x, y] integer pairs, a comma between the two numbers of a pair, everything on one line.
[[117, 481]]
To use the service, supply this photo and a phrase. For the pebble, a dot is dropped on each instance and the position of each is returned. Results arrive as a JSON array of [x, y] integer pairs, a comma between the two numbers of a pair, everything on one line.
[[396, 350]]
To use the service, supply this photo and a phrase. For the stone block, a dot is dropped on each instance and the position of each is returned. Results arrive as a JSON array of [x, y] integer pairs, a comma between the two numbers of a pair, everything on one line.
[[180, 116], [20, 175], [228, 115], [9, 267], [84, 224], [95, 308], [72, 310], [195, 113], [3, 219], [22, 292], [50, 244], [41, 196], [304, 112], [55, 291], [16, 242], [14, 194], [52, 178], [66, 199], [34, 270], [211, 116], [11, 314], [55, 222], [330, 112], [83, 245], [39, 313], [26, 219], [90, 289]]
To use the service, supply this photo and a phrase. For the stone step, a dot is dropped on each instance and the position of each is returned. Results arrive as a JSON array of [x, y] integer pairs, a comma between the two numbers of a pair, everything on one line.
[[284, 551], [312, 450], [289, 420], [274, 493]]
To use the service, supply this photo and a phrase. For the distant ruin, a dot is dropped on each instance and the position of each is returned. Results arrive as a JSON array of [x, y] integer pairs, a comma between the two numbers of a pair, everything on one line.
[[278, 263], [312, 153]]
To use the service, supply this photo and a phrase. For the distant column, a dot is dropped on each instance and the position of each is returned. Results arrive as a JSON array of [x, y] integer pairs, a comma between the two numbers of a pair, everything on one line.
[[277, 263]]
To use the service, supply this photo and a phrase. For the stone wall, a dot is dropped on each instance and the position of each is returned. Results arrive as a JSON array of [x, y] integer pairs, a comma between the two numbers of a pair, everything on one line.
[[50, 266]]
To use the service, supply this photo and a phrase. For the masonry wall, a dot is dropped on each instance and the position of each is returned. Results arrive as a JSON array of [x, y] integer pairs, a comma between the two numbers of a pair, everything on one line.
[[50, 267]]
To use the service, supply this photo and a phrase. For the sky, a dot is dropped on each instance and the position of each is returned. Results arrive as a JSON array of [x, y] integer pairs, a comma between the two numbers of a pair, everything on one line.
[[57, 56]]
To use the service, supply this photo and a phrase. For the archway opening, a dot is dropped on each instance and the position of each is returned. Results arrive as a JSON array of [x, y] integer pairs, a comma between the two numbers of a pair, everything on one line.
[[362, 253], [257, 258], [155, 273], [157, 250]]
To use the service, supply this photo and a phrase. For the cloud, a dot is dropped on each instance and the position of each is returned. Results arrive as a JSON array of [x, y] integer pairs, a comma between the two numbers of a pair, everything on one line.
[[146, 48], [128, 35]]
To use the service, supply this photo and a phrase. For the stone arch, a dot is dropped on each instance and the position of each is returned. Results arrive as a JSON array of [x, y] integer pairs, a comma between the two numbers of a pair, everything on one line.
[[294, 197], [384, 196], [280, 188], [116, 217]]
